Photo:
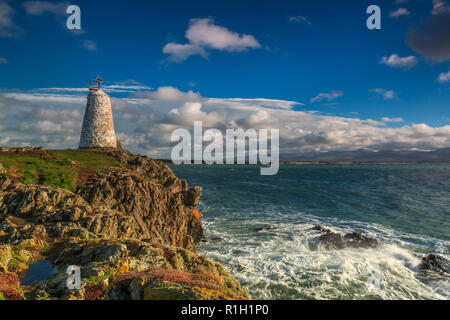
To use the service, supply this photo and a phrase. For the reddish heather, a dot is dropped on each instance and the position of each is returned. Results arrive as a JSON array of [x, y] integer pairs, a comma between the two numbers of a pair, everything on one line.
[[9, 284], [160, 274], [94, 291]]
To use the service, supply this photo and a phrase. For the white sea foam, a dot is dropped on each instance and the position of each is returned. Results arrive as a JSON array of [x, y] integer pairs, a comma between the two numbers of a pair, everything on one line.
[[278, 264]]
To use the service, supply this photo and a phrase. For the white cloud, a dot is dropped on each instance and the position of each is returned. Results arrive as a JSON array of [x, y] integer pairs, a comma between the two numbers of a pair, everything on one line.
[[144, 124], [300, 19], [3, 61], [171, 94], [386, 94], [440, 7], [400, 12], [444, 77], [38, 8], [394, 120], [204, 34], [180, 52], [49, 97], [106, 88], [7, 27], [327, 96], [395, 61], [90, 45]]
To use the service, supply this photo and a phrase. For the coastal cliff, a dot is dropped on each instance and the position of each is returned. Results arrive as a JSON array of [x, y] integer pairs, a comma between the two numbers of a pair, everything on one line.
[[126, 220]]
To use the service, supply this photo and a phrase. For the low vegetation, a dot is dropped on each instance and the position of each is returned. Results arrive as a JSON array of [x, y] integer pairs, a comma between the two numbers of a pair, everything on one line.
[[65, 169]]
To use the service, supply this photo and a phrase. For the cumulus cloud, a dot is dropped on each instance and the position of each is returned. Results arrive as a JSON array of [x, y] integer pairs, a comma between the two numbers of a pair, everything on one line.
[[37, 8], [433, 39], [400, 12], [385, 94], [171, 94], [444, 77], [7, 26], [204, 34], [300, 19], [395, 61], [144, 122], [323, 96], [90, 45], [180, 52], [394, 120], [440, 7]]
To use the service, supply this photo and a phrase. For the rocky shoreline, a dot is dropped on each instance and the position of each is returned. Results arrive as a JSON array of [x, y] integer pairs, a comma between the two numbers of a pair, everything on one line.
[[131, 228]]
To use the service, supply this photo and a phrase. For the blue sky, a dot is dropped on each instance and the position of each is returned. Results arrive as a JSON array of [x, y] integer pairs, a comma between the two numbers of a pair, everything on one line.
[[317, 53]]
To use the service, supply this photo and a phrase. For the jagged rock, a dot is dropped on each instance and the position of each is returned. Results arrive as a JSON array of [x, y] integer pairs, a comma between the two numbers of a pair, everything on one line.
[[320, 229], [4, 180], [436, 263], [137, 288], [330, 240], [145, 209], [118, 144], [357, 240], [5, 256], [192, 196], [267, 228], [135, 223], [126, 270]]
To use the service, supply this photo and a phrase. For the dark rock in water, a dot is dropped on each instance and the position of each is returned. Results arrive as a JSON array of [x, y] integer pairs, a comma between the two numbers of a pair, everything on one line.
[[357, 240], [320, 229], [331, 241], [268, 228], [434, 263]]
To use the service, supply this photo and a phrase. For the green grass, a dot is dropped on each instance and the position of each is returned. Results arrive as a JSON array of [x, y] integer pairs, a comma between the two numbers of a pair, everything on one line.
[[56, 168], [109, 273]]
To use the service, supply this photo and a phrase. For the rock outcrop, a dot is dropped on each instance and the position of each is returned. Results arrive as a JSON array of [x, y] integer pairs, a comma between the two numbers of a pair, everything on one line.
[[131, 228], [329, 240], [434, 263]]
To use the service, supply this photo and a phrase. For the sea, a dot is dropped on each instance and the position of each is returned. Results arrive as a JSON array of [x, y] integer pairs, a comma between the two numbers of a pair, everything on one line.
[[259, 228]]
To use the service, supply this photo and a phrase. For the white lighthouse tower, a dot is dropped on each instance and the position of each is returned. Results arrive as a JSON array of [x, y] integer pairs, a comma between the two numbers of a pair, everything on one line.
[[98, 124]]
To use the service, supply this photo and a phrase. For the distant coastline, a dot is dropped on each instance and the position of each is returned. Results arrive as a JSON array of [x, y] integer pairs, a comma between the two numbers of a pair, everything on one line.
[[364, 156], [168, 161]]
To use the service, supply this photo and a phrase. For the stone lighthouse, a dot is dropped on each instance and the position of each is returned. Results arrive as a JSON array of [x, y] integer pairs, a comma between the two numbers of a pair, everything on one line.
[[98, 124]]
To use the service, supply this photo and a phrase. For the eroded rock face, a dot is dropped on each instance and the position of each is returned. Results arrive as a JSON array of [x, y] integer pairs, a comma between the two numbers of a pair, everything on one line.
[[145, 208], [137, 270], [131, 229], [146, 201], [4, 180]]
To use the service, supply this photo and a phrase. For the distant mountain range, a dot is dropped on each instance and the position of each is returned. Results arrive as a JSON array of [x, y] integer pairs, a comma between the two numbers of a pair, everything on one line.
[[364, 155]]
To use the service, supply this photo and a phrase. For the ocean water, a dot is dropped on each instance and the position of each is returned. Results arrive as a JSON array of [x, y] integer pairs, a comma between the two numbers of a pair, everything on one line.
[[405, 206]]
